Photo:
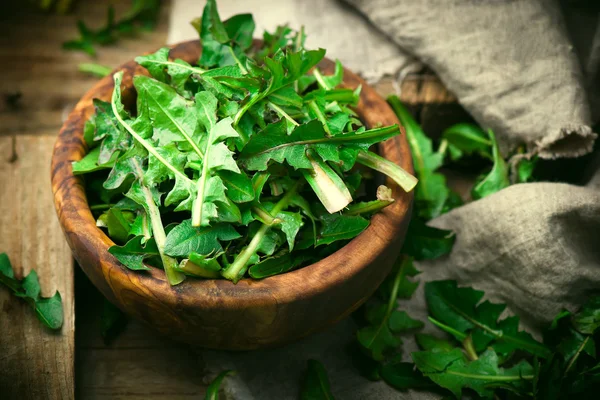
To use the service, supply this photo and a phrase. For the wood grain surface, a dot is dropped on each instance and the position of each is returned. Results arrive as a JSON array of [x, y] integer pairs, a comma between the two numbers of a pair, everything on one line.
[[35, 363]]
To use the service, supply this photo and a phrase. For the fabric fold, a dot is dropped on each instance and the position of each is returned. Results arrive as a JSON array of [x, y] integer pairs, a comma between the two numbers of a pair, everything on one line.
[[510, 64]]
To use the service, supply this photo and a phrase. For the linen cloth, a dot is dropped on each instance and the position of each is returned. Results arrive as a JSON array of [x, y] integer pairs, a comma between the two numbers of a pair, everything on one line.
[[518, 68]]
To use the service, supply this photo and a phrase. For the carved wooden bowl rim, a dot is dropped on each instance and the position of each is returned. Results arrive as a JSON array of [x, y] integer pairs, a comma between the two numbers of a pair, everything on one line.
[[90, 243]]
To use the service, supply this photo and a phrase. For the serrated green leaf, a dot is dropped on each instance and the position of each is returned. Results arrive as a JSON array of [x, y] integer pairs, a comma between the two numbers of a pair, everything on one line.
[[203, 266], [276, 265], [459, 308], [158, 171], [216, 157], [587, 320], [173, 117], [214, 38], [425, 243], [404, 376], [119, 223], [377, 339], [468, 139], [451, 371], [31, 285], [185, 239], [134, 252], [286, 97], [50, 311], [239, 186], [123, 168], [315, 385], [113, 137], [156, 63], [240, 29], [89, 163], [290, 225], [400, 321], [275, 144], [6, 269], [431, 192]]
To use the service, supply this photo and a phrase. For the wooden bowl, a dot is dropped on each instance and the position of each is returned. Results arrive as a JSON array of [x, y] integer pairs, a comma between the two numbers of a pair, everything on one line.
[[216, 313]]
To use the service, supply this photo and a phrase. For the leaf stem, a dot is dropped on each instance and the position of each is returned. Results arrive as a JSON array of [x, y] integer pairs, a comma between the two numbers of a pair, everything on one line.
[[497, 378], [392, 302], [158, 231], [177, 124], [443, 147], [146, 227], [281, 112], [238, 62], [198, 204], [320, 79], [469, 348], [541, 348], [315, 108], [232, 272], [576, 355], [264, 216], [458, 335], [405, 180]]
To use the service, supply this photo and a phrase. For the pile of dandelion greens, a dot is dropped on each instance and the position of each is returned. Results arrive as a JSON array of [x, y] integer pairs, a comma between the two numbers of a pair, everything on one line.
[[247, 163]]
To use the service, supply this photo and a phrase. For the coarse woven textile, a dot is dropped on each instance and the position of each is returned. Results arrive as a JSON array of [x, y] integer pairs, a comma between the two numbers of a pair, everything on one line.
[[510, 63]]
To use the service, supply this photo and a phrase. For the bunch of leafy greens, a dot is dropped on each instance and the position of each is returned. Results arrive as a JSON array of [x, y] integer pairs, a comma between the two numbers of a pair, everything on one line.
[[484, 355], [48, 309], [142, 14], [245, 163], [479, 353]]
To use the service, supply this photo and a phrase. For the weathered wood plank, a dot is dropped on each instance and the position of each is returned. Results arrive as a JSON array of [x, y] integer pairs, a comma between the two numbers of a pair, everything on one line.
[[35, 362], [138, 364]]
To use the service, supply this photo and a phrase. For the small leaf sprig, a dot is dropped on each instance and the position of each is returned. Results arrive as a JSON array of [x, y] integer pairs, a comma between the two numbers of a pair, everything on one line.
[[48, 309], [481, 354], [244, 164]]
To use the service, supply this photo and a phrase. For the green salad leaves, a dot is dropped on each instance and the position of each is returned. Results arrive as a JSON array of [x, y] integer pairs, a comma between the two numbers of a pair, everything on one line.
[[48, 309], [247, 163]]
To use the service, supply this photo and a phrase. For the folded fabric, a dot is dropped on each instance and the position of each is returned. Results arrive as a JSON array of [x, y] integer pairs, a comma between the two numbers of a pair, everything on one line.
[[510, 63]]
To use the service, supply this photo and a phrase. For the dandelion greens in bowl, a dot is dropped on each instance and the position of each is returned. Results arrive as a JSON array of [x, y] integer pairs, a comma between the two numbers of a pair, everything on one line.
[[246, 164]]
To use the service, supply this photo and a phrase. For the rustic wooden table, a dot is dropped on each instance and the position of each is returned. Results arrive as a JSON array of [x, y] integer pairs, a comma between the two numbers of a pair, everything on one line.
[[40, 84]]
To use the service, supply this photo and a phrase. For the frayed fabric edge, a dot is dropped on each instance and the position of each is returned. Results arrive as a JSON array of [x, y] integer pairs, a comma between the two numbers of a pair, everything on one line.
[[570, 141]]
